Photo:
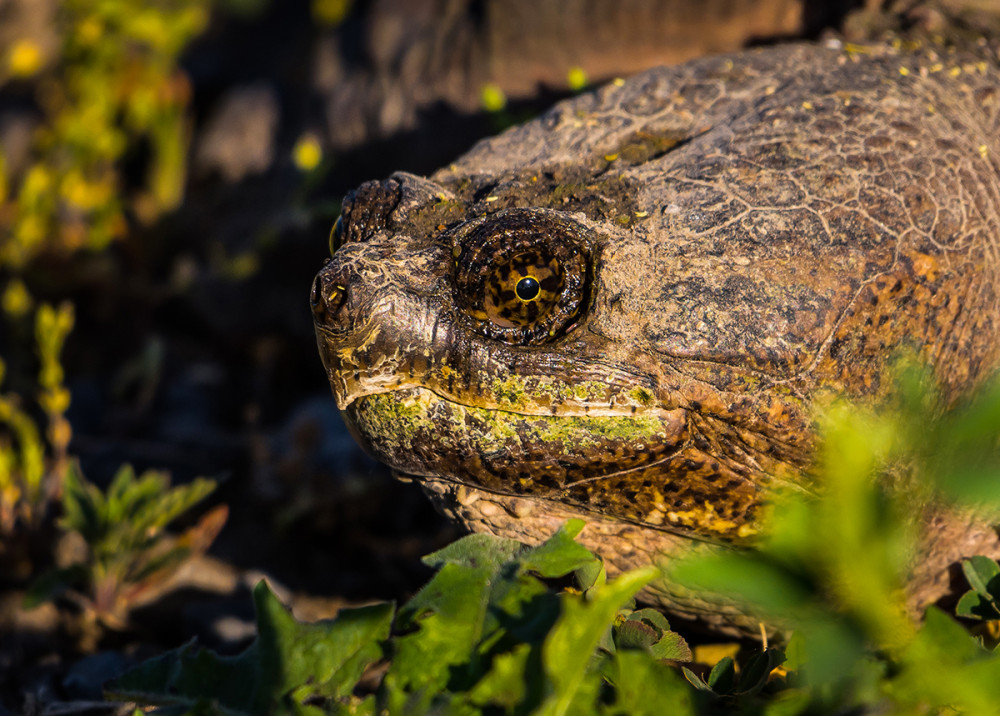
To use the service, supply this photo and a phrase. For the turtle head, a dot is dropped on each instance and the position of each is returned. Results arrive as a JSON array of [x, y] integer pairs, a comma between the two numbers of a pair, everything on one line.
[[456, 340]]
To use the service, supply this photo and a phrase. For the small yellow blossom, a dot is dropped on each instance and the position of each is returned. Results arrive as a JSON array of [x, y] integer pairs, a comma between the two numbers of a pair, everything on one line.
[[16, 300], [307, 153], [24, 58], [492, 97], [576, 78]]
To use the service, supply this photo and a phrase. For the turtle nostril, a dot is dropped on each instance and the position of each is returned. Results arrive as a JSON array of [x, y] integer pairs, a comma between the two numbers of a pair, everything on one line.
[[335, 298], [327, 300]]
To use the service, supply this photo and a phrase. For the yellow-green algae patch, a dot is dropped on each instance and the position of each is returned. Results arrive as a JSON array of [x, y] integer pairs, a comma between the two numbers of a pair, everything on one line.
[[641, 396], [395, 420], [516, 393]]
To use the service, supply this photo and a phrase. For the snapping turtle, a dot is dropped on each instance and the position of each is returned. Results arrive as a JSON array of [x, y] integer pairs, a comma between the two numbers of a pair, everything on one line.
[[625, 309]]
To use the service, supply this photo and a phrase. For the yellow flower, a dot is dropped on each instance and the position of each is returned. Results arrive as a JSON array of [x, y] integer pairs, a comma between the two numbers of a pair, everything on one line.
[[16, 300], [307, 152], [492, 97], [576, 78], [24, 58]]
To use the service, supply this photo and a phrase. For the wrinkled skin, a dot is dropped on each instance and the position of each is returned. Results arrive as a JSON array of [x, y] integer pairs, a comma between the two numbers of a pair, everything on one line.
[[736, 238]]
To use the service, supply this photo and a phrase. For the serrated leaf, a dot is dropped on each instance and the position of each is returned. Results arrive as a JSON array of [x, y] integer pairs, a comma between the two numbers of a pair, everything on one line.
[[329, 654], [671, 646], [653, 617], [560, 554], [445, 621], [635, 634], [476, 550], [324, 659], [649, 630]]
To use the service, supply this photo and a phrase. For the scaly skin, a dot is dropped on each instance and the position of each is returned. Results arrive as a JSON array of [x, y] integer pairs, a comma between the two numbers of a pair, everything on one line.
[[741, 236]]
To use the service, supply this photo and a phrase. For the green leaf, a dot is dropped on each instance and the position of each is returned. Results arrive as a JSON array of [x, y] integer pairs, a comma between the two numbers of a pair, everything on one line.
[[288, 663], [974, 605], [443, 623], [756, 672], [644, 687], [329, 655], [696, 681], [653, 617], [476, 550], [591, 574], [722, 678], [980, 571], [635, 634], [671, 646], [507, 682], [83, 506], [570, 646], [559, 554], [649, 630]]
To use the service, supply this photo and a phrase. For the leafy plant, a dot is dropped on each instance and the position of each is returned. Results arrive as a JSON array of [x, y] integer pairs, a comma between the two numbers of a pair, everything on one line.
[[112, 82], [127, 551], [486, 634], [982, 602], [31, 472], [492, 633]]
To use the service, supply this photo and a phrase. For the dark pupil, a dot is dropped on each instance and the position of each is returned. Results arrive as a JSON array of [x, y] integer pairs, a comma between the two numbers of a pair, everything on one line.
[[527, 288]]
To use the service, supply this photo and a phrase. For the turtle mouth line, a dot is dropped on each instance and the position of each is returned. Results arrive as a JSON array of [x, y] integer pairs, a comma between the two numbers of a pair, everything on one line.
[[416, 431], [398, 387]]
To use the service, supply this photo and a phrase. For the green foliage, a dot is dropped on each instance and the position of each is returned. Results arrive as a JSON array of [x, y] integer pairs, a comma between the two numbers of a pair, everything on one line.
[[288, 668], [983, 600], [485, 635], [113, 80], [127, 550], [31, 472], [491, 634]]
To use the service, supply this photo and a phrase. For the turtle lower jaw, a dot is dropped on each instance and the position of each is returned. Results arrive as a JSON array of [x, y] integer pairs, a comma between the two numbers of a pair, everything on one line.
[[417, 432]]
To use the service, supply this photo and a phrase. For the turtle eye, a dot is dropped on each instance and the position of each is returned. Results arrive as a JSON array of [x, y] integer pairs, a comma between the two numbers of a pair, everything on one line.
[[523, 289], [337, 235], [521, 276]]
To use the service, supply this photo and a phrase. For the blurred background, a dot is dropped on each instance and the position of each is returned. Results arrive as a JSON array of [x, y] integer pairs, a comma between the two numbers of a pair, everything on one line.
[[169, 173]]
